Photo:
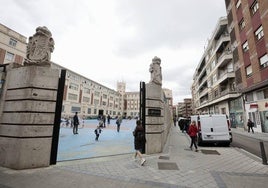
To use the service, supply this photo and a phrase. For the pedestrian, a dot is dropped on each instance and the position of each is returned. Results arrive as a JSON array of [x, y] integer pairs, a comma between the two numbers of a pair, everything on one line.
[[67, 122], [192, 132], [118, 123], [100, 122], [97, 132], [175, 120], [108, 119], [186, 125], [250, 125], [75, 123], [83, 122], [139, 141], [104, 120]]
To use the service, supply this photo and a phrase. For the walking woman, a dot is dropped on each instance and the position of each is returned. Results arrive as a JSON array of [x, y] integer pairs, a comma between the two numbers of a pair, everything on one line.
[[139, 140], [192, 132]]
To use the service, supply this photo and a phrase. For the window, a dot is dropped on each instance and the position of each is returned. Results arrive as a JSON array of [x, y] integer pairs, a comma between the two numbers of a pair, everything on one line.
[[75, 109], [260, 95], [96, 93], [242, 24], [259, 33], [255, 6], [72, 97], [87, 90], [89, 110], [96, 102], [73, 86], [249, 97], [105, 96], [264, 61], [73, 77], [216, 93], [245, 46], [265, 93], [9, 56], [12, 42], [86, 99], [248, 70]]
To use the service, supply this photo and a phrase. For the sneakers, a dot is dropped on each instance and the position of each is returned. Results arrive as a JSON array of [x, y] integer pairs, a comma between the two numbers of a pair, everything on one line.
[[142, 161]]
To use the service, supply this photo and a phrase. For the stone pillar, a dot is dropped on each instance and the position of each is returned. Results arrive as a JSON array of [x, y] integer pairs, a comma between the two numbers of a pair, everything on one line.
[[26, 125], [154, 118]]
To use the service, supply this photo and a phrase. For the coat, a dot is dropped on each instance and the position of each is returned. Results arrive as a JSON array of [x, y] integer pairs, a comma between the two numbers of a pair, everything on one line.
[[139, 137], [192, 130]]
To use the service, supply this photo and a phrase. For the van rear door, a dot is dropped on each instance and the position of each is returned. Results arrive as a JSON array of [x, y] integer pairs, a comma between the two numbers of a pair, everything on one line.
[[221, 128], [214, 128]]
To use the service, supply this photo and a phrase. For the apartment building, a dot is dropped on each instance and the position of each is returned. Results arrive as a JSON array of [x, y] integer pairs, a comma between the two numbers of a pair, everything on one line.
[[132, 104], [168, 97], [214, 79], [248, 27], [12, 46], [87, 97], [185, 108]]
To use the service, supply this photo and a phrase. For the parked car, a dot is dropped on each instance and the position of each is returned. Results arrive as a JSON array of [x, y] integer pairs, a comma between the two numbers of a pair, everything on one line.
[[213, 128]]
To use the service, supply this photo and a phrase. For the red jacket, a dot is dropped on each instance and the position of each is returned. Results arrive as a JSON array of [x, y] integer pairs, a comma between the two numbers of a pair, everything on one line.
[[192, 130]]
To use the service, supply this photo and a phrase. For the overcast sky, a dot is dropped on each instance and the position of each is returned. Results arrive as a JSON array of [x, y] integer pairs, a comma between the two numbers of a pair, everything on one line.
[[115, 40]]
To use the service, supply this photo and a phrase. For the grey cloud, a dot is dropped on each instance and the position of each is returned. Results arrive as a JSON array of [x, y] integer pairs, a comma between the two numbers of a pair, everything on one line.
[[171, 23]]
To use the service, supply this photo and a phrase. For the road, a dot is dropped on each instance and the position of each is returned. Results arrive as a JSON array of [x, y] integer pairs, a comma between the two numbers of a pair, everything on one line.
[[250, 144]]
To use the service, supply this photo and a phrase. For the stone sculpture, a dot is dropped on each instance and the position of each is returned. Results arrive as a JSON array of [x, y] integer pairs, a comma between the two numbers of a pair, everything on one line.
[[155, 70], [39, 48]]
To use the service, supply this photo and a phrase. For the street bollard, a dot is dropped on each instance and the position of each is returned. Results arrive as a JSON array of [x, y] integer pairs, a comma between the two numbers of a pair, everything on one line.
[[263, 154]]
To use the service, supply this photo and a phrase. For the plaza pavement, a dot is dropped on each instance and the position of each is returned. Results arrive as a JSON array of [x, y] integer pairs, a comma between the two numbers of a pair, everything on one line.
[[177, 166]]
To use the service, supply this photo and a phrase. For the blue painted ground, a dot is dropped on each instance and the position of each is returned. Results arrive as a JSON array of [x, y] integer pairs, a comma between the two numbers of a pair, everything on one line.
[[83, 145]]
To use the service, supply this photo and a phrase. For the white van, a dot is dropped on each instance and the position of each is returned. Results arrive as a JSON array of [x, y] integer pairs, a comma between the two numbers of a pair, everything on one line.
[[213, 128]]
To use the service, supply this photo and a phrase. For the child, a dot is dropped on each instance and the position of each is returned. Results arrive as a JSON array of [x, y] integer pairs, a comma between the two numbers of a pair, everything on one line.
[[97, 132]]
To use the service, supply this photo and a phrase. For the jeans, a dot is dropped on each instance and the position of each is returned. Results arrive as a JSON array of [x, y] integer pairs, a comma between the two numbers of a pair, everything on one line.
[[193, 142]]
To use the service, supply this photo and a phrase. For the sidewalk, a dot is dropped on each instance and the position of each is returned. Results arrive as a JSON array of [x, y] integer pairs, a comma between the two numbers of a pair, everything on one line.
[[177, 166]]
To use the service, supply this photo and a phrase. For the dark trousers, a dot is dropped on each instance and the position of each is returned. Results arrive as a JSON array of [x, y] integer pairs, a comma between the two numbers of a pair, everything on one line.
[[118, 127], [97, 137], [193, 142], [75, 129], [249, 127]]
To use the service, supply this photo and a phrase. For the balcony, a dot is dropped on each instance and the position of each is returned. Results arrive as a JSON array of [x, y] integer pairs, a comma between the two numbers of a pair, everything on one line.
[[223, 96], [225, 58], [224, 76], [221, 43], [203, 92]]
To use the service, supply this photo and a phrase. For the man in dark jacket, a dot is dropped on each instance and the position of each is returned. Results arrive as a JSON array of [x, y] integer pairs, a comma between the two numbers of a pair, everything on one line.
[[250, 125], [139, 140], [76, 123]]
